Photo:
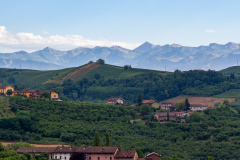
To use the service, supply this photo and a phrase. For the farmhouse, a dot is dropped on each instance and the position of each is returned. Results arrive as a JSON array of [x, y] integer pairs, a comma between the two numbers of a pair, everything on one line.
[[91, 152], [152, 103], [163, 116], [4, 89], [35, 93], [115, 101], [153, 156], [198, 107], [167, 105]]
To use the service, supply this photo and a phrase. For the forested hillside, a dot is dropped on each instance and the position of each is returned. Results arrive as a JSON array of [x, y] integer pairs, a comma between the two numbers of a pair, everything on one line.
[[211, 133]]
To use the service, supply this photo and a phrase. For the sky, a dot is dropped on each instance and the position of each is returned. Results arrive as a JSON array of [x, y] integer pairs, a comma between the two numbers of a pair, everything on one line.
[[32, 25]]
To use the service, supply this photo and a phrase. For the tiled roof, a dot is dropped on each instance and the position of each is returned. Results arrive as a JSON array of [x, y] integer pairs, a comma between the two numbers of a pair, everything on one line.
[[48, 91], [4, 87], [148, 101], [114, 99], [153, 153], [125, 154], [164, 114], [26, 91], [198, 105], [168, 102], [36, 149], [68, 149], [96, 149]]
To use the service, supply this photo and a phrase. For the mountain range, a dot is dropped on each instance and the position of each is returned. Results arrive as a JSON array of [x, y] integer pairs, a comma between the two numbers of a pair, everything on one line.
[[147, 56]]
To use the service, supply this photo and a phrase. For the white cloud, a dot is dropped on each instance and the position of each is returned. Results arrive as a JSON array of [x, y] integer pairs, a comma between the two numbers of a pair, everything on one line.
[[210, 30], [30, 42]]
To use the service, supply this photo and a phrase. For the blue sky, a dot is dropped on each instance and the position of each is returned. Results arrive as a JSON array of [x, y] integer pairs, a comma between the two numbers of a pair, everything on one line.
[[32, 25]]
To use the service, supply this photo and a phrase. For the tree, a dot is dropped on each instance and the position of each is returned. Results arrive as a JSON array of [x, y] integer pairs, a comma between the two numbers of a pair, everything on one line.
[[180, 106], [167, 116], [11, 80], [96, 141], [108, 141], [139, 100], [9, 92], [97, 76], [77, 156], [1, 147], [210, 158], [140, 153], [45, 95], [187, 105], [100, 61]]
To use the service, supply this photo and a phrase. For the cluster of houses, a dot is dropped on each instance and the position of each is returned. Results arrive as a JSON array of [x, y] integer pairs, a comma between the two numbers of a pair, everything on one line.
[[91, 153], [167, 106], [29, 93]]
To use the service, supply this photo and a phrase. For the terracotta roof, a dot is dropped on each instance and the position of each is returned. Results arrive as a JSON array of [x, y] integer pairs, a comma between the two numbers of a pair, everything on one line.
[[198, 105], [164, 114], [148, 101], [48, 91], [26, 91], [168, 102], [36, 149], [153, 153], [125, 154], [4, 87], [69, 149], [98, 149], [144, 159], [114, 99]]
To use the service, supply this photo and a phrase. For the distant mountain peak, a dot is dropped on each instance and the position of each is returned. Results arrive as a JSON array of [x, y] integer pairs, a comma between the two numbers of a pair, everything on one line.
[[145, 47]]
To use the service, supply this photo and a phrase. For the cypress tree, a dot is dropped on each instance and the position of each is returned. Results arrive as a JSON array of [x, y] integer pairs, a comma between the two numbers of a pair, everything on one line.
[[96, 141], [108, 141], [187, 104], [139, 100]]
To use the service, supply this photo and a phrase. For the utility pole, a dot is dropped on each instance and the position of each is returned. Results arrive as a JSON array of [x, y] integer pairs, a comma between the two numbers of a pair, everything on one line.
[[165, 68], [237, 62]]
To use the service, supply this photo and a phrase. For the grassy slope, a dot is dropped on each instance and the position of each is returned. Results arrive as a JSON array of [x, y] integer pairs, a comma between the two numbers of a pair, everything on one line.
[[110, 71], [233, 93], [33, 78], [228, 71]]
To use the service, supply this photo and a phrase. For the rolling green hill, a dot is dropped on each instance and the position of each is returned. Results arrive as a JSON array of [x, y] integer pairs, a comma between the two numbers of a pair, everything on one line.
[[233, 69], [33, 79]]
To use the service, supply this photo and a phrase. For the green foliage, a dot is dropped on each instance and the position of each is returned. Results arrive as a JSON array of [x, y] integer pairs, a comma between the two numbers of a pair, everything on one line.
[[9, 92], [15, 146], [139, 99], [11, 80], [107, 139], [78, 122], [97, 141], [2, 148], [100, 61], [187, 105], [45, 95]]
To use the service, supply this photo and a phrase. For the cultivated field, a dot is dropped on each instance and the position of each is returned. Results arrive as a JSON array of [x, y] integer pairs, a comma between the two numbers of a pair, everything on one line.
[[37, 145], [200, 100]]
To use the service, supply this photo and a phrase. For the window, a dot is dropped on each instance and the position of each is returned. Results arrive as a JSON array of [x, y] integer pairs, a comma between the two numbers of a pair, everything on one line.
[[89, 158], [55, 157], [110, 158], [60, 157], [98, 158], [54, 95]]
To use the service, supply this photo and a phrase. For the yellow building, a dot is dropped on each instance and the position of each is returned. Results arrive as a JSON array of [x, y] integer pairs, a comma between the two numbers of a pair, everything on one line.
[[36, 94], [4, 89]]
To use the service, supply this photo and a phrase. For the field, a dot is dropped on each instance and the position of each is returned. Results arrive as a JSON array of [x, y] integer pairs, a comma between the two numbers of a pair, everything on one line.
[[116, 72], [233, 93], [37, 145], [201, 100]]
